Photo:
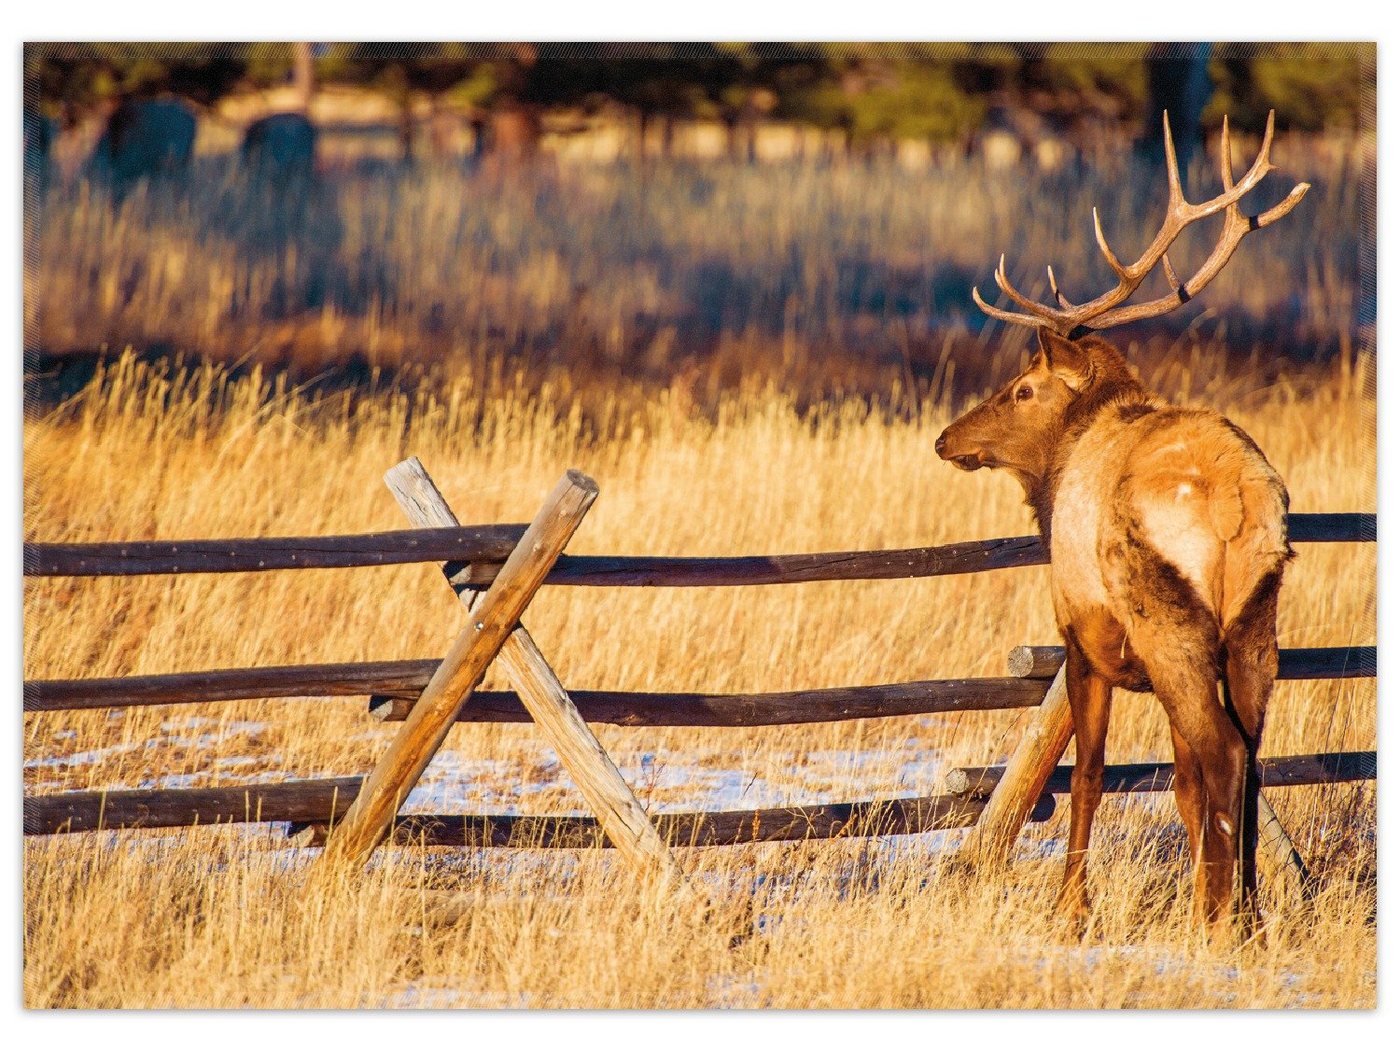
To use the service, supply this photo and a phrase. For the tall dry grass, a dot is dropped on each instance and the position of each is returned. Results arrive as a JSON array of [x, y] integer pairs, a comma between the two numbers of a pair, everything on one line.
[[221, 917], [829, 278]]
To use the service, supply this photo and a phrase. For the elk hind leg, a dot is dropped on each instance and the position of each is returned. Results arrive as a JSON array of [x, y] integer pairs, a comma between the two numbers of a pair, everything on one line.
[[1178, 639], [1190, 793], [1251, 666], [1089, 696], [1188, 690]]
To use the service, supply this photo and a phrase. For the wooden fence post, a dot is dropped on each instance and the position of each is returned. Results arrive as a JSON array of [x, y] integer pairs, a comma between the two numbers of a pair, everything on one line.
[[582, 756], [1027, 772], [1278, 846], [371, 816]]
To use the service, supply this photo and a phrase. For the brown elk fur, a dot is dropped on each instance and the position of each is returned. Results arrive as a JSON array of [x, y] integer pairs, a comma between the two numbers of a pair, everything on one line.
[[1167, 536]]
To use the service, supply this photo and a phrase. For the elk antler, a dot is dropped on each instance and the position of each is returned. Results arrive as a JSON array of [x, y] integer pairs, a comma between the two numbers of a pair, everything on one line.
[[1107, 310]]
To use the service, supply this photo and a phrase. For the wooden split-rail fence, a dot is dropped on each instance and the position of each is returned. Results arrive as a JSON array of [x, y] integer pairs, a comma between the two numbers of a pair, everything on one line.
[[495, 571]]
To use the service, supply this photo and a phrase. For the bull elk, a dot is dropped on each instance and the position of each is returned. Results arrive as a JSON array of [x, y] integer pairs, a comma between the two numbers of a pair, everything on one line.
[[1167, 532]]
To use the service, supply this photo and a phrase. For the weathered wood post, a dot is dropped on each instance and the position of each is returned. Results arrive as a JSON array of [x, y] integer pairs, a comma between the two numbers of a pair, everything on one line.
[[582, 756], [371, 816], [1034, 661], [1027, 772], [1276, 844]]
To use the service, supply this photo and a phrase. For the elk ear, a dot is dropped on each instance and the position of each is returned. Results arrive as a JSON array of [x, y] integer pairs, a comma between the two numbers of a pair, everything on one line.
[[1066, 359]]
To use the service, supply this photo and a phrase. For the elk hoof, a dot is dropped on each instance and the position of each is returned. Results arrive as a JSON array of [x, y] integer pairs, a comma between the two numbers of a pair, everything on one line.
[[1072, 911]]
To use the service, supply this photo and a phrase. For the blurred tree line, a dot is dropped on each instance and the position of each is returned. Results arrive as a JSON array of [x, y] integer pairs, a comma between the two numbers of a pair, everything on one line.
[[871, 93]]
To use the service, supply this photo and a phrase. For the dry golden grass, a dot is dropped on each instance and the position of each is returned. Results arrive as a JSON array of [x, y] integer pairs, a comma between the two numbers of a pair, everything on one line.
[[219, 917], [827, 277]]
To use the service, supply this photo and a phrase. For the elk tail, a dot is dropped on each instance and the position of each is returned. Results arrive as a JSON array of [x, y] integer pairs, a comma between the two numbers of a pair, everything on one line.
[[1226, 509]]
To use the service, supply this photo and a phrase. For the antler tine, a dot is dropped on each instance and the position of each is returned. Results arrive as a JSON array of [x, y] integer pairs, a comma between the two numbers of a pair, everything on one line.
[[1227, 163], [1055, 290], [1118, 267], [1013, 318], [1024, 302], [1176, 200], [1282, 208], [1172, 278], [1234, 191]]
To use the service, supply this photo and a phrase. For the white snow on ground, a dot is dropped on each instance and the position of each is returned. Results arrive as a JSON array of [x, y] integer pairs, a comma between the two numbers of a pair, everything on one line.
[[176, 735], [1045, 956], [83, 758], [457, 781], [735, 992], [435, 997], [172, 739]]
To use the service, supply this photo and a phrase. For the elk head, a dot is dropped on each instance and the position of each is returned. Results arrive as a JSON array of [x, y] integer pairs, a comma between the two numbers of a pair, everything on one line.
[[1019, 427]]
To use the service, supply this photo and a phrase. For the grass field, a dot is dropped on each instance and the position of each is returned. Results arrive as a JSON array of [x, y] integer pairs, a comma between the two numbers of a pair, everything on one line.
[[827, 279], [216, 917]]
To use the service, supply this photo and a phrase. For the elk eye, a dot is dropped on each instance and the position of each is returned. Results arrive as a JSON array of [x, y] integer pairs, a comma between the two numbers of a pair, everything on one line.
[[1023, 393]]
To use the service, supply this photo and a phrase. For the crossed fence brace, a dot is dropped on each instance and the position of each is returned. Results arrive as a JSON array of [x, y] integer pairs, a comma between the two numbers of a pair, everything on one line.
[[494, 633]]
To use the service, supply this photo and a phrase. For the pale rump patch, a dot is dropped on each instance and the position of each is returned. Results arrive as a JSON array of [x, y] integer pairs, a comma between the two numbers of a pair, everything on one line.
[[1195, 488], [1179, 531], [1189, 487]]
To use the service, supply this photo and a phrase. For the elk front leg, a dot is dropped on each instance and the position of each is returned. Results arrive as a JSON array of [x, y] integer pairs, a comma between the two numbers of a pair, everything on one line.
[[1089, 696]]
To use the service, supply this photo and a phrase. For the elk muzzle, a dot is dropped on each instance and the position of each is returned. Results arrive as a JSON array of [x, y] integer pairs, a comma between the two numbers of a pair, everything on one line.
[[957, 453]]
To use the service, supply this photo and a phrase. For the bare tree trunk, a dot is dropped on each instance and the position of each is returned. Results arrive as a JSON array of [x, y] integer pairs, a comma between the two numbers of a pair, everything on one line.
[[406, 128], [479, 131], [303, 76], [406, 133], [668, 137], [515, 131], [443, 129], [741, 132], [1178, 81]]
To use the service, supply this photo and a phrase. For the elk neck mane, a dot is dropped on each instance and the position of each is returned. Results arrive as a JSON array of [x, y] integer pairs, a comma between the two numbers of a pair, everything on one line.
[[1113, 385]]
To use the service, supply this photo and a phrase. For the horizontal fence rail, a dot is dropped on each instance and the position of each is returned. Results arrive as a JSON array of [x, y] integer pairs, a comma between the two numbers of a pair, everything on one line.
[[316, 802], [469, 543], [297, 800], [1291, 771], [403, 680], [757, 709], [390, 677], [900, 816], [480, 549], [1346, 661]]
